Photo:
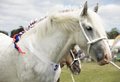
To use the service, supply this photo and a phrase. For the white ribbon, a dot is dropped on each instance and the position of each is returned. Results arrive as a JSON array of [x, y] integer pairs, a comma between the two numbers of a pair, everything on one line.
[[54, 66]]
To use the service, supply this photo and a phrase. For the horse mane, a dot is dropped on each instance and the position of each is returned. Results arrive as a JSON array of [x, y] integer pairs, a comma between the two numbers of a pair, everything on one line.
[[65, 20]]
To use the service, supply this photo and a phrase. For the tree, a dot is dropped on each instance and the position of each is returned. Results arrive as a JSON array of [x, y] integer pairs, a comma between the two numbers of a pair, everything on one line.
[[113, 33], [4, 32], [16, 31]]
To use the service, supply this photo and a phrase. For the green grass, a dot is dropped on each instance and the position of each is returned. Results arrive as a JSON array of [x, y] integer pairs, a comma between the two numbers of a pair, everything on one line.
[[92, 72]]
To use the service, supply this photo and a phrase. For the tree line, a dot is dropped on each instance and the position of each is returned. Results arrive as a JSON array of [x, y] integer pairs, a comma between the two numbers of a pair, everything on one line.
[[111, 34], [13, 32]]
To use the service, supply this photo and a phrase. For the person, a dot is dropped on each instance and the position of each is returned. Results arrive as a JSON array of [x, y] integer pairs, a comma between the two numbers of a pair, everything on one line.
[[115, 56]]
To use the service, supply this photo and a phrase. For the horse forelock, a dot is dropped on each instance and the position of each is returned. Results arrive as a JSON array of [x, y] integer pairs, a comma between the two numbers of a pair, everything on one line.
[[65, 19]]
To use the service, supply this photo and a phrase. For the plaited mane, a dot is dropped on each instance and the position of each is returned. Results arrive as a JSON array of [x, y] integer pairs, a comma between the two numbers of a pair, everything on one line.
[[65, 18]]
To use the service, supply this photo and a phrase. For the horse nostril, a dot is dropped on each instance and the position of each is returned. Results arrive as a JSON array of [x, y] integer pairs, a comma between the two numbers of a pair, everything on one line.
[[100, 57], [105, 60], [106, 56], [107, 63]]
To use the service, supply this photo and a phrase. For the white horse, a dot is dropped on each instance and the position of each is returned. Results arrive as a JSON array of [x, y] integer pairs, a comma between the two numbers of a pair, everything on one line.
[[48, 42]]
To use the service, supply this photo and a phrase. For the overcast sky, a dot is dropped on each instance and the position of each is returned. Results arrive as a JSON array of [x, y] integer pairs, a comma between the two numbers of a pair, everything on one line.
[[15, 13]]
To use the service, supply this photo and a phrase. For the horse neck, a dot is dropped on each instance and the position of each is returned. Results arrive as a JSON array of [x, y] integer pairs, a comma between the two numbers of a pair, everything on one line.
[[63, 62], [52, 43], [52, 47]]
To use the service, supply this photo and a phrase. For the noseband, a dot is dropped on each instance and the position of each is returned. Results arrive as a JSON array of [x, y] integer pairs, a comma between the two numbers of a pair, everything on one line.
[[74, 59], [90, 42]]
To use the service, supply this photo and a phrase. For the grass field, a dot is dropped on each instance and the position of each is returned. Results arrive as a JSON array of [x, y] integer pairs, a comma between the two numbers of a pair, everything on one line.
[[92, 72]]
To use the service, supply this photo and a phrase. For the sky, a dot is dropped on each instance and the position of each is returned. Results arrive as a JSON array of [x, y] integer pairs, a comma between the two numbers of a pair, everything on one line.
[[15, 13]]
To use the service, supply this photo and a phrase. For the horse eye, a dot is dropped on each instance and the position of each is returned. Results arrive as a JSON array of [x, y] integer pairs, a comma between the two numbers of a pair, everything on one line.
[[89, 28]]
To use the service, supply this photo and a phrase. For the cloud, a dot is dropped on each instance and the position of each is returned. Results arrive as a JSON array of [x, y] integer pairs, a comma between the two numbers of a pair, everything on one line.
[[14, 13], [110, 14]]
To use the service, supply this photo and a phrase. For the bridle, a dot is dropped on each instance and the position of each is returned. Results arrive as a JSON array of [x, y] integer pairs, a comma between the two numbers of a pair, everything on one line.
[[74, 59], [94, 41], [89, 41]]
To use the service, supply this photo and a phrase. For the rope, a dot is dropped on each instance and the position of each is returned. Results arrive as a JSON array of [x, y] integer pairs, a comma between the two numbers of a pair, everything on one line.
[[54, 66], [89, 41], [72, 77], [114, 65]]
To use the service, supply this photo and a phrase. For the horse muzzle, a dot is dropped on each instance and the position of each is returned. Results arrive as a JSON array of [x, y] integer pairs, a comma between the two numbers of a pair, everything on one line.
[[106, 59], [75, 68]]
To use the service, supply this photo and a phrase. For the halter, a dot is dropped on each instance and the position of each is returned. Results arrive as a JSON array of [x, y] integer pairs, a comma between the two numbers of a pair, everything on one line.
[[16, 37], [74, 59], [90, 42], [94, 41]]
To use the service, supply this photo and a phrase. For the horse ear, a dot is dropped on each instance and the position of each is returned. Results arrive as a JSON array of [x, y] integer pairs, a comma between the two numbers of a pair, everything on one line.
[[84, 11], [96, 8]]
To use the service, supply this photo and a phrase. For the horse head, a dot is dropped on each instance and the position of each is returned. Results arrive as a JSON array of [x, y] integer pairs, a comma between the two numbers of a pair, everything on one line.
[[93, 37], [73, 62]]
